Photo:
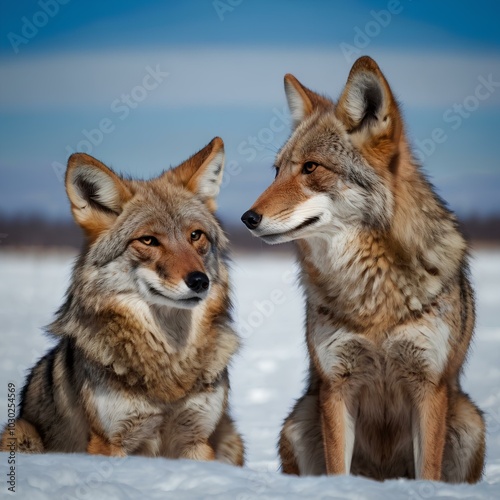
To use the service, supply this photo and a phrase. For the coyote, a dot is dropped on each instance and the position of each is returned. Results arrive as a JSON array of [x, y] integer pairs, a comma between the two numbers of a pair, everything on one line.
[[389, 304], [145, 336]]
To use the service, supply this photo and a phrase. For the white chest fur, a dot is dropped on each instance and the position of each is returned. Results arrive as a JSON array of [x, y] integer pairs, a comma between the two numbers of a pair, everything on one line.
[[116, 410], [422, 345]]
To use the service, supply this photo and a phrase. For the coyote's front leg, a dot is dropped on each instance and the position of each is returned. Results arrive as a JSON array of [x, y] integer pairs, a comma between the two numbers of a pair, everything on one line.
[[429, 432], [98, 445], [131, 435], [198, 451], [341, 360], [338, 425]]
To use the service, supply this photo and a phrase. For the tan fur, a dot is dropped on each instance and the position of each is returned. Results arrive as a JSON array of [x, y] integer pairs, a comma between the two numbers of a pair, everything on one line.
[[141, 363], [227, 442], [99, 446], [100, 221], [289, 463], [191, 172], [390, 309], [23, 438], [333, 428]]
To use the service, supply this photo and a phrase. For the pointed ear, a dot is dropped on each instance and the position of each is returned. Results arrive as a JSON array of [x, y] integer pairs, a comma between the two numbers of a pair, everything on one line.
[[302, 101], [96, 193], [202, 173], [368, 108]]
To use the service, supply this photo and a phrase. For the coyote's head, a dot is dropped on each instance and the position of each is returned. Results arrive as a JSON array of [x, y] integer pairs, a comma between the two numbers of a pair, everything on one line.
[[336, 171], [156, 240]]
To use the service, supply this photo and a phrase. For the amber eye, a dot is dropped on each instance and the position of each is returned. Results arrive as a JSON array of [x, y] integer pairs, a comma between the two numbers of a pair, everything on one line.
[[196, 235], [309, 167], [149, 241]]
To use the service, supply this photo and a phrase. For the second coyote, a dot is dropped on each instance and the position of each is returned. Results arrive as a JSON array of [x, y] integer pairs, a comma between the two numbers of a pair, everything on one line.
[[389, 304]]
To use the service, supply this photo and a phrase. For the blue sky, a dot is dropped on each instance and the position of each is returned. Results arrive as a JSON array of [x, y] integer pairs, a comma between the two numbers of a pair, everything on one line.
[[216, 68]]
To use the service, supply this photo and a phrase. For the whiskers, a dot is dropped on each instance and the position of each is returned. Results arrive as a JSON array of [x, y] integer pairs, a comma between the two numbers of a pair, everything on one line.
[[270, 154]]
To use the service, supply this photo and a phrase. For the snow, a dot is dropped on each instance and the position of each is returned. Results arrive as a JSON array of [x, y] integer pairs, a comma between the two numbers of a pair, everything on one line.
[[266, 377]]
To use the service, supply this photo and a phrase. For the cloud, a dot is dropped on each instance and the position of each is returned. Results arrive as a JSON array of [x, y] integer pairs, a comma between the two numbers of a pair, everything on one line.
[[215, 76]]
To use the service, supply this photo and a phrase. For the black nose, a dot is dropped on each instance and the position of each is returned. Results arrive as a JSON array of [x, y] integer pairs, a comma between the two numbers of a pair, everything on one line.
[[197, 281], [251, 219]]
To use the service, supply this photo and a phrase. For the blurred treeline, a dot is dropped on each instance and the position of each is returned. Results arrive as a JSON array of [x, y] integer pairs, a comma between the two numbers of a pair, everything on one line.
[[33, 231]]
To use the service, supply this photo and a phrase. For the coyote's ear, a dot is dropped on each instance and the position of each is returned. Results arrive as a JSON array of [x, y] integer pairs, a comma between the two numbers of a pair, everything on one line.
[[369, 110], [302, 101], [202, 173], [96, 193]]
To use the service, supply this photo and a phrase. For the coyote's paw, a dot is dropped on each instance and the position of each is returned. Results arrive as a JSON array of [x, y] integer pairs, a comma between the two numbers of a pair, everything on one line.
[[22, 438]]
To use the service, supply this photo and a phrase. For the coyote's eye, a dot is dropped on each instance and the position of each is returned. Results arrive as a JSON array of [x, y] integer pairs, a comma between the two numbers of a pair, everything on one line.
[[277, 172], [149, 241], [196, 235], [309, 167]]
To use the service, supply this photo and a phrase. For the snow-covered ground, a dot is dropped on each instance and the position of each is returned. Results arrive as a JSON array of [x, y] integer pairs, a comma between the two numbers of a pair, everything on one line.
[[266, 377]]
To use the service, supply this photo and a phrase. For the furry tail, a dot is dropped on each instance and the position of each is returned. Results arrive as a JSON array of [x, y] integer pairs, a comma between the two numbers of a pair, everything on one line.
[[22, 438]]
